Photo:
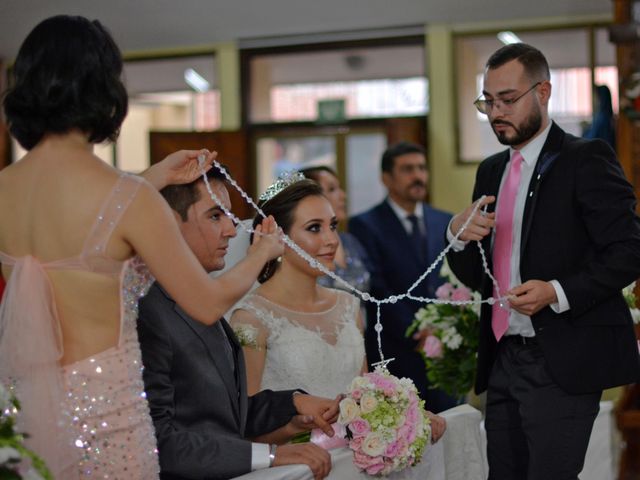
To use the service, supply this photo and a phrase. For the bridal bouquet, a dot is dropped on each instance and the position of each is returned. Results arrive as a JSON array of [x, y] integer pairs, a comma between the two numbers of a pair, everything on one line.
[[16, 461], [450, 335], [386, 424]]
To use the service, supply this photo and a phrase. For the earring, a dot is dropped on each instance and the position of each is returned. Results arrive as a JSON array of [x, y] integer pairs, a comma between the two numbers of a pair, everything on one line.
[[279, 259]]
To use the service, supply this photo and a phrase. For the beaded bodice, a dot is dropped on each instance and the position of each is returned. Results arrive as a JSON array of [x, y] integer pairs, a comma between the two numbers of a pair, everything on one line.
[[318, 352]]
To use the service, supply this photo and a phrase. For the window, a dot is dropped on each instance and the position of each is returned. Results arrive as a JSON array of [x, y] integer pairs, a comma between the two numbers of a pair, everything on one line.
[[377, 81]]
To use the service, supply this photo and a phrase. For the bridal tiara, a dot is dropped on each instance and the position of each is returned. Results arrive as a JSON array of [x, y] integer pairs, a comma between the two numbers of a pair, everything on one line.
[[284, 180]]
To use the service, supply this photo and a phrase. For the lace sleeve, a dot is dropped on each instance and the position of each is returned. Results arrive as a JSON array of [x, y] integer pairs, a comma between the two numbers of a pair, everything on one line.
[[351, 308], [249, 328]]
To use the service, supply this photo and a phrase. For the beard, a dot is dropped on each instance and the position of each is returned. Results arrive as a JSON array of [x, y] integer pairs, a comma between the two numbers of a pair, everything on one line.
[[524, 132]]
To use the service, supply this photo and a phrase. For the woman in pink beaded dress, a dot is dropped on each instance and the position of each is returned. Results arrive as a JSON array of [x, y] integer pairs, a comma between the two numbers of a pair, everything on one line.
[[70, 225]]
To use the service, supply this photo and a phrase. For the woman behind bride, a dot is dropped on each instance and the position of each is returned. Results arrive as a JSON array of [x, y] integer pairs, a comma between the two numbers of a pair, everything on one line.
[[296, 332]]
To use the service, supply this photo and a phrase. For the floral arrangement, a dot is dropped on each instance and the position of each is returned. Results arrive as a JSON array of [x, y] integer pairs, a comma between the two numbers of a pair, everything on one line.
[[386, 424], [16, 461], [630, 297], [450, 336]]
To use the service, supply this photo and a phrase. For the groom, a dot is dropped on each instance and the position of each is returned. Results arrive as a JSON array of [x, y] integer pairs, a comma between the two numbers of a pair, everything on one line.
[[195, 374]]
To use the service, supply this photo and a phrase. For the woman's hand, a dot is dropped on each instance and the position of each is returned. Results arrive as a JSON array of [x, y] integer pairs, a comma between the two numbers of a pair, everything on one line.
[[178, 168], [268, 239]]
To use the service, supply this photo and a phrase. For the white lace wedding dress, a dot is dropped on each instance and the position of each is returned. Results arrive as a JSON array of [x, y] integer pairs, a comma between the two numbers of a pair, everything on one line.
[[318, 352]]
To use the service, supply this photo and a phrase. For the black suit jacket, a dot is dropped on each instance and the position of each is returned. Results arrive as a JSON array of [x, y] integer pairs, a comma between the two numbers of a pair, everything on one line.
[[394, 265], [580, 228], [199, 407]]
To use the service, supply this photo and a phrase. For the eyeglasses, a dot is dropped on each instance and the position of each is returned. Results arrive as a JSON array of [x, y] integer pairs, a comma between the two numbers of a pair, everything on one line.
[[506, 104]]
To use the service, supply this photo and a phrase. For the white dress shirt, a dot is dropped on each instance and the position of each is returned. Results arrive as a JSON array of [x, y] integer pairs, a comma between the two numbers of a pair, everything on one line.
[[520, 324], [259, 456], [402, 215]]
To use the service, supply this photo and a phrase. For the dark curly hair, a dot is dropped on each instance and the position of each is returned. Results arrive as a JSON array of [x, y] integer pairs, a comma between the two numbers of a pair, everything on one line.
[[282, 207], [66, 76]]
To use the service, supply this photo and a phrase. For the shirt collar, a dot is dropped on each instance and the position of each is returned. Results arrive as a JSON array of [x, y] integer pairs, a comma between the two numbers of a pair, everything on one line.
[[401, 213], [531, 151]]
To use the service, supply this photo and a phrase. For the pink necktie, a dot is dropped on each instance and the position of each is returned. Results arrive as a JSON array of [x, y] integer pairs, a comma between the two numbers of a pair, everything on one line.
[[503, 242]]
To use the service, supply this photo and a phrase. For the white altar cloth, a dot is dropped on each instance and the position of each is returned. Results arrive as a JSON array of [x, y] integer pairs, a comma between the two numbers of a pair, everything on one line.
[[457, 456]]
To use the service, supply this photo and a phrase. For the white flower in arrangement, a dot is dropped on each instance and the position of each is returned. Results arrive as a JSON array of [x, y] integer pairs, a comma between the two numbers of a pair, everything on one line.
[[451, 338], [476, 297], [359, 383], [349, 410], [374, 444], [406, 383], [447, 322], [368, 403], [7, 454]]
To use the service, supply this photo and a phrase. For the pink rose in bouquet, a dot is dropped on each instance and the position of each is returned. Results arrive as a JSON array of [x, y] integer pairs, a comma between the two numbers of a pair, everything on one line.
[[461, 294], [445, 290], [432, 347]]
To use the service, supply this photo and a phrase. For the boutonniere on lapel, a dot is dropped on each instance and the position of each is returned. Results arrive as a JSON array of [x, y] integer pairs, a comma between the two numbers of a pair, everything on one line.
[[542, 167], [247, 335]]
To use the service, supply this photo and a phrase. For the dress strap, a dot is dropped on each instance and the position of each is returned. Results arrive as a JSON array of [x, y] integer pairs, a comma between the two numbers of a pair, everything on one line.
[[30, 351], [114, 206]]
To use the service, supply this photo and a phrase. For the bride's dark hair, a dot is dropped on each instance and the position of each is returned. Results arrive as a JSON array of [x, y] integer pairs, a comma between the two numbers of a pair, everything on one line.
[[282, 206]]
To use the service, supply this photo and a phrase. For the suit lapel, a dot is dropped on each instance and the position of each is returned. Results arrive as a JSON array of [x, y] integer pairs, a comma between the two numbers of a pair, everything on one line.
[[214, 344], [495, 178], [546, 160], [241, 373]]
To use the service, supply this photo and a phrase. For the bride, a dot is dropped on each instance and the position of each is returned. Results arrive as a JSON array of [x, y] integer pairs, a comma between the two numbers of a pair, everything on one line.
[[293, 322], [296, 332]]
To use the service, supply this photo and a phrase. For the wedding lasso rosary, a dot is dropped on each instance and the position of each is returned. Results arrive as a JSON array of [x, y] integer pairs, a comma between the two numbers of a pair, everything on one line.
[[365, 296]]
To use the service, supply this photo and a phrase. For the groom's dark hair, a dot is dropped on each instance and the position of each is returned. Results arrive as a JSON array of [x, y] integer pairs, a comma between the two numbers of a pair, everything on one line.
[[181, 197]]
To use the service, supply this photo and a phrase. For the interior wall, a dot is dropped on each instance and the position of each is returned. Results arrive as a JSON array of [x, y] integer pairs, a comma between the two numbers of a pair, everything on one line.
[[451, 183], [133, 148], [228, 61]]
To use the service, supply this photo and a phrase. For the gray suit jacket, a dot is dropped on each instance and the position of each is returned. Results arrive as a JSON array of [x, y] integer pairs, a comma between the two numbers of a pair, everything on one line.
[[198, 401]]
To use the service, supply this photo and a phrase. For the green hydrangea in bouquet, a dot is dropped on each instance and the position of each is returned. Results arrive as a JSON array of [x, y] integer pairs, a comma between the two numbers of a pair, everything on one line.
[[449, 336], [16, 461]]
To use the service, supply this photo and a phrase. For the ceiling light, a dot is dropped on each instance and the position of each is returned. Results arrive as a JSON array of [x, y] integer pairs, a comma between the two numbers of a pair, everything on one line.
[[508, 37], [195, 80]]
